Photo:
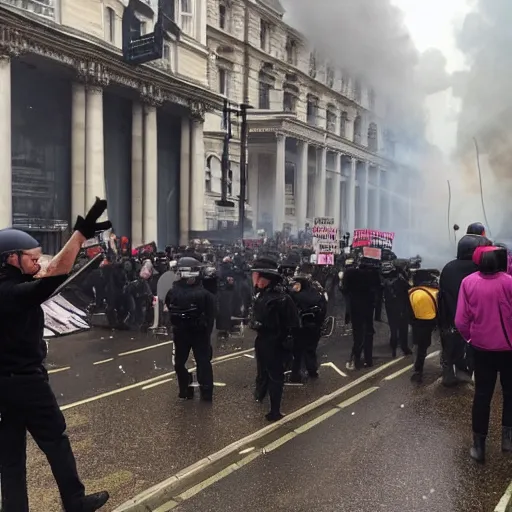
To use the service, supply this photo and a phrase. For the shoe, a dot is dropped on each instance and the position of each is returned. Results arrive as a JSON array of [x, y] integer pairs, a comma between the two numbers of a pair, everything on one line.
[[393, 353], [206, 394], [93, 502], [187, 394], [350, 365], [506, 439], [274, 416], [449, 380], [477, 451], [417, 377]]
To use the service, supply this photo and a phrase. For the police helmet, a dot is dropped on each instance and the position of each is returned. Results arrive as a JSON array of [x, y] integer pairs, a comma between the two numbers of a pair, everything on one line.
[[15, 241], [467, 245], [476, 228], [189, 267]]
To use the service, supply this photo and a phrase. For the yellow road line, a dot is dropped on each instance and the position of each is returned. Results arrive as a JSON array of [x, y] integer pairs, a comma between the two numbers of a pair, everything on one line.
[[149, 386], [356, 398], [58, 370], [505, 501], [410, 367], [104, 361], [144, 349]]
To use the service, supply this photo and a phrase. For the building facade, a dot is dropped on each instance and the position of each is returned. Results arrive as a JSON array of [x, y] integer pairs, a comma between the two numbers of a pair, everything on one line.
[[77, 122], [318, 140]]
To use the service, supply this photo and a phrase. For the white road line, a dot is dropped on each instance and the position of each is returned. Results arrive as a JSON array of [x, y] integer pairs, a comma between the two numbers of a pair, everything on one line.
[[149, 386], [410, 367], [163, 487], [505, 501], [356, 398], [335, 368], [235, 355], [58, 370], [316, 421], [219, 384], [250, 356], [144, 349], [104, 361]]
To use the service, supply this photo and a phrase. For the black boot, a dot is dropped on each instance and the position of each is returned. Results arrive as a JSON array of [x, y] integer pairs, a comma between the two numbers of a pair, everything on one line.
[[477, 451], [206, 394], [449, 379], [92, 502], [506, 439]]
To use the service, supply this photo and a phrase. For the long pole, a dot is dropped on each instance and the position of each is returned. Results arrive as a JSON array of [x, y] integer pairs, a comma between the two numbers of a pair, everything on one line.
[[243, 170]]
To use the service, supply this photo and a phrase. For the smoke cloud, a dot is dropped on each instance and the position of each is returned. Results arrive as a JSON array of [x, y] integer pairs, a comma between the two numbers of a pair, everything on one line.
[[486, 92]]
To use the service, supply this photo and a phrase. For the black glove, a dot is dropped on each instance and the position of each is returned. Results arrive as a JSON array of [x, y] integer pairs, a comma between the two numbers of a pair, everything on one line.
[[90, 225]]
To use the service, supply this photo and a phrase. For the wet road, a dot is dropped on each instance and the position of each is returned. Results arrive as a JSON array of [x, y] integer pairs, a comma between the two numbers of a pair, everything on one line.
[[128, 429], [397, 447]]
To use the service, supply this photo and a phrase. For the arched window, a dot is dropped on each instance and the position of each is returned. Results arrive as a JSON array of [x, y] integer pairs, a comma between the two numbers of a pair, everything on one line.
[[312, 110], [373, 142], [265, 86], [343, 124], [110, 25], [357, 129], [208, 174]]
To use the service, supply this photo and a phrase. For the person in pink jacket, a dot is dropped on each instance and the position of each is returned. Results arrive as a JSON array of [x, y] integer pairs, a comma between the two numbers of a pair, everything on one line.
[[484, 319]]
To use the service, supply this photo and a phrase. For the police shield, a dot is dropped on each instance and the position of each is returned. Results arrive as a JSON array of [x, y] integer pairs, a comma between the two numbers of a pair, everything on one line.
[[165, 283]]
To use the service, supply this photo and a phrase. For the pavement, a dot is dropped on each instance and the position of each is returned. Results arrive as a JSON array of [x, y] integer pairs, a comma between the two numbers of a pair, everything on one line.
[[130, 432]]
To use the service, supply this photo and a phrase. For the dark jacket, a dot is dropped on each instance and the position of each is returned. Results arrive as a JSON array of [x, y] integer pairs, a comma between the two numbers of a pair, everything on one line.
[[22, 348]]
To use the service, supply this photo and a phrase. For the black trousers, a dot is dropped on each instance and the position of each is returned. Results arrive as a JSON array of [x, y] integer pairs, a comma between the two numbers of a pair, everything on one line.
[[487, 366], [304, 349], [362, 331], [199, 342], [422, 338], [270, 363], [396, 311], [28, 403], [456, 351], [378, 306]]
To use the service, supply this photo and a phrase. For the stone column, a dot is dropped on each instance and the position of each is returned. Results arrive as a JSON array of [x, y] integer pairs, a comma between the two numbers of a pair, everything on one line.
[[185, 181], [150, 201], [94, 156], [376, 223], [253, 192], [320, 182], [336, 192], [364, 195], [137, 173], [78, 106], [301, 193], [5, 143], [351, 206], [279, 190], [197, 187]]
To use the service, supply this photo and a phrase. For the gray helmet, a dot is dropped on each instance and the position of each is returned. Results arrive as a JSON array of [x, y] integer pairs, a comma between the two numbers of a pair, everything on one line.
[[15, 240], [189, 267]]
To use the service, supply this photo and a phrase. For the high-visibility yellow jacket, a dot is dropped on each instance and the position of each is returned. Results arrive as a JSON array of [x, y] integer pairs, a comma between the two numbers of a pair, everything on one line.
[[424, 302]]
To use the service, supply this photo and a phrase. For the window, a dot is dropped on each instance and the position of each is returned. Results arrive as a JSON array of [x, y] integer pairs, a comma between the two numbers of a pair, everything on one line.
[[357, 130], [223, 80], [312, 65], [373, 142], [264, 96], [371, 98], [169, 56], [230, 181], [136, 29], [312, 110], [329, 76], [291, 51], [110, 25], [224, 17], [289, 103], [331, 119], [186, 16], [265, 36], [357, 90], [208, 175], [343, 124]]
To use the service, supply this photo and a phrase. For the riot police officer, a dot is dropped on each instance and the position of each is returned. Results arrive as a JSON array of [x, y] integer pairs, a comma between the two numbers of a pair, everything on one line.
[[27, 401], [274, 317], [192, 315], [309, 297]]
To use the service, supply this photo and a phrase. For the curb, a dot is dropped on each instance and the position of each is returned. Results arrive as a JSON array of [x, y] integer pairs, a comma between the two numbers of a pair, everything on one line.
[[505, 504], [162, 492]]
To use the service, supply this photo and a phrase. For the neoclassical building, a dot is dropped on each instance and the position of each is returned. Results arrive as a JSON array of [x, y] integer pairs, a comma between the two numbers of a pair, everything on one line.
[[76, 121], [318, 139]]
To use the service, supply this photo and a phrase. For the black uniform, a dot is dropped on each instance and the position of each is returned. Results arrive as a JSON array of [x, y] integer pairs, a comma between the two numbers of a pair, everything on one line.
[[192, 314], [275, 318], [26, 399]]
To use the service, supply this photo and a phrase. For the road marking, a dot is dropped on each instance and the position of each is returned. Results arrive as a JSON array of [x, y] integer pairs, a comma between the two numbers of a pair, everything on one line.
[[235, 355], [219, 384], [163, 488], [356, 398], [58, 370], [316, 421], [335, 368], [505, 501], [279, 442], [104, 361], [149, 386], [247, 450], [410, 367], [250, 356], [144, 349]]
